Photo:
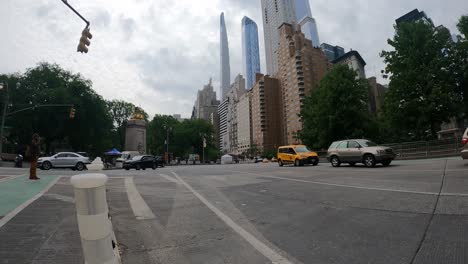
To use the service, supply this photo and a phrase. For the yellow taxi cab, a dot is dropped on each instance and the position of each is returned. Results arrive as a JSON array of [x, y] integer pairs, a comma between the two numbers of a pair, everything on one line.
[[298, 155]]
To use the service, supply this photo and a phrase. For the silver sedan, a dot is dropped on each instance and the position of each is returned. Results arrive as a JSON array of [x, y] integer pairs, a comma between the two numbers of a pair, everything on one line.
[[63, 160]]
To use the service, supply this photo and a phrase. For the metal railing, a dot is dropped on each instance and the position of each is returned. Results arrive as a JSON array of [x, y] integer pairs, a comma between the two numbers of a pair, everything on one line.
[[427, 149]]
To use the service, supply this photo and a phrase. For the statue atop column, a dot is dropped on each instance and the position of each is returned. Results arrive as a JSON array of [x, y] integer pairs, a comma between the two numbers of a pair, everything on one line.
[[135, 132]]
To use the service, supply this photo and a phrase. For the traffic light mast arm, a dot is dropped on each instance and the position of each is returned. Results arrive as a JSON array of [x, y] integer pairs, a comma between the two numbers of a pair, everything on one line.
[[76, 12], [39, 106]]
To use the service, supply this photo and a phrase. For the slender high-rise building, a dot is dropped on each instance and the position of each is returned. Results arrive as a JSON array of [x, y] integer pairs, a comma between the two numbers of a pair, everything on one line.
[[225, 77], [250, 51], [307, 22], [275, 13]]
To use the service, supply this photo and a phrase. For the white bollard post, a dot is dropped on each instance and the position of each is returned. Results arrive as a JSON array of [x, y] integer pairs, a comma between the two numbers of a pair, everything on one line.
[[93, 220]]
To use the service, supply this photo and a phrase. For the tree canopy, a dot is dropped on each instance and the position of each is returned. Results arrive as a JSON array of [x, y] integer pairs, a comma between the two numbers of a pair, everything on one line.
[[422, 92], [337, 109], [185, 137], [47, 85]]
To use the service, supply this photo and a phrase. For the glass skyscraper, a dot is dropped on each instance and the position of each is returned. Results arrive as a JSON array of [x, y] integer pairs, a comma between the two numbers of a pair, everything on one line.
[[307, 22], [225, 77], [275, 13], [250, 51]]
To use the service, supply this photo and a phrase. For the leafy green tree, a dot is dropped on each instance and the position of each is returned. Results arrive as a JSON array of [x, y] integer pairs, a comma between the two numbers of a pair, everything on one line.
[[156, 133], [337, 109], [120, 111], [48, 84], [422, 93], [459, 64], [184, 138]]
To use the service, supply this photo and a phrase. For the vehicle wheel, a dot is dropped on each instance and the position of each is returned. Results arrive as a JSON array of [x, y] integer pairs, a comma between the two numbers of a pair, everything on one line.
[[335, 161], [369, 161], [386, 163], [154, 166], [46, 165], [297, 163], [315, 162], [280, 163], [352, 164], [79, 166], [138, 167], [127, 168]]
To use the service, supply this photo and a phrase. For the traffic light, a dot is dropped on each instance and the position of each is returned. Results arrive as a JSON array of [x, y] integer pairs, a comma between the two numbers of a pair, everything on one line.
[[84, 41], [72, 112]]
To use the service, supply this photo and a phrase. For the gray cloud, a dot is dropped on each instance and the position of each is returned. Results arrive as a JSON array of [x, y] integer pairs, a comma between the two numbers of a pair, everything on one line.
[[45, 9], [128, 26], [101, 19]]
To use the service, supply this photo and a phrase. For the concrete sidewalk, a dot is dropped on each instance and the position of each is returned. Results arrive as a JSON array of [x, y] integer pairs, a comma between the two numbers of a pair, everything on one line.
[[45, 231]]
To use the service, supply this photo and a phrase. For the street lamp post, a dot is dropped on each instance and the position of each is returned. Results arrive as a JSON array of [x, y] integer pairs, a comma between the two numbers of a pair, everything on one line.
[[4, 85], [167, 128], [203, 147], [5, 105]]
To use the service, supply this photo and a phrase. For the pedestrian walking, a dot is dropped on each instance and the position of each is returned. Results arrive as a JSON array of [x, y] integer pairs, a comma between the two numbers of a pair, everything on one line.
[[34, 152]]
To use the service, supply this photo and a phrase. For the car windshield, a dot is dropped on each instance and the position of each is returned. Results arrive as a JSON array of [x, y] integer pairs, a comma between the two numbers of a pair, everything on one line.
[[302, 149], [367, 143], [137, 158]]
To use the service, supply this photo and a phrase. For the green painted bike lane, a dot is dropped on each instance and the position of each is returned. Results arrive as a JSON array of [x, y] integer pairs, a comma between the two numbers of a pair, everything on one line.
[[15, 191]]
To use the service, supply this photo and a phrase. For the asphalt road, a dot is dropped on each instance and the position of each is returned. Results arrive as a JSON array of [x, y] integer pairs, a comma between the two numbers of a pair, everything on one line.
[[410, 212]]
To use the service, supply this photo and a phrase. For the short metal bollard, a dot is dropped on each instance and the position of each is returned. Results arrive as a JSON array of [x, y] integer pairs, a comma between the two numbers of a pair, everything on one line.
[[97, 237]]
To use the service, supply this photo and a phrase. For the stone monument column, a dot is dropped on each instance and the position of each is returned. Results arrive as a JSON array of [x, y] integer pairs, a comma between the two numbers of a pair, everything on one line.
[[135, 133]]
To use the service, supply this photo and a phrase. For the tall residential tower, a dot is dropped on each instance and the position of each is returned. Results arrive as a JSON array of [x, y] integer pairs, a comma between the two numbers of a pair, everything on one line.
[[275, 13], [250, 51], [225, 77]]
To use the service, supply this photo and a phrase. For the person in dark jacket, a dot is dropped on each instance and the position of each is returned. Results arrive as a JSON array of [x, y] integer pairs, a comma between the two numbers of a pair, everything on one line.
[[34, 154]]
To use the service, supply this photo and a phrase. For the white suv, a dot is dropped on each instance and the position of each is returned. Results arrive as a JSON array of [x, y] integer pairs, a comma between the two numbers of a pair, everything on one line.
[[464, 151]]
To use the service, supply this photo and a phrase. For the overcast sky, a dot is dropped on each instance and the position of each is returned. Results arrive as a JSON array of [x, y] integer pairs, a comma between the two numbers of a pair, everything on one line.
[[158, 53]]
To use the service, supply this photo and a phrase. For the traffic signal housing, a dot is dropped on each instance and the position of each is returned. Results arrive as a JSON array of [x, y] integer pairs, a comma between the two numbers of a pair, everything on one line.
[[84, 41], [72, 112]]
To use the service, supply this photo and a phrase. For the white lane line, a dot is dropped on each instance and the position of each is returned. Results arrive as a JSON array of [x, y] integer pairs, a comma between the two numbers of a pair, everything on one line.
[[10, 177], [354, 186], [261, 247], [60, 197], [139, 206], [20, 208], [167, 177]]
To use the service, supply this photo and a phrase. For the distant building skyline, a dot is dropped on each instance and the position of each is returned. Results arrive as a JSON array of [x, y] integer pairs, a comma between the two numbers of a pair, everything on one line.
[[355, 62], [206, 103], [228, 116], [225, 72], [332, 52], [413, 16], [274, 14], [250, 51]]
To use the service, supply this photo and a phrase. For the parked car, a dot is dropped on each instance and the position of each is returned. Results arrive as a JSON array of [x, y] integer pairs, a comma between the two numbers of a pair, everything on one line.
[[299, 155], [464, 151], [359, 151], [160, 162], [141, 162], [63, 160]]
